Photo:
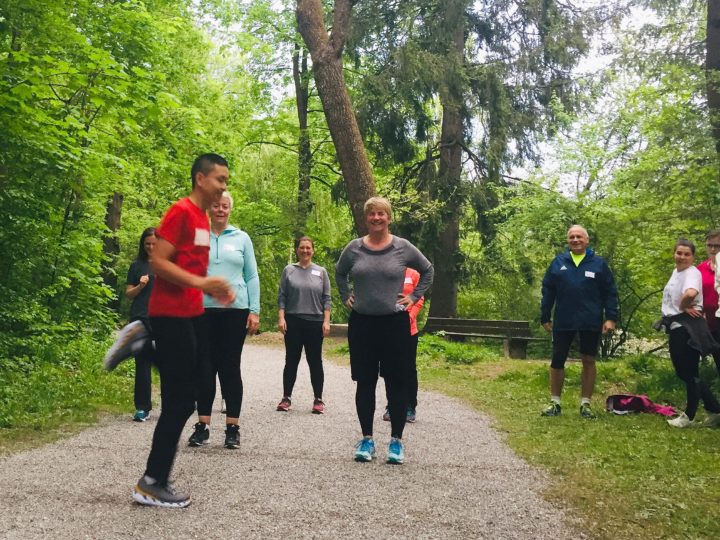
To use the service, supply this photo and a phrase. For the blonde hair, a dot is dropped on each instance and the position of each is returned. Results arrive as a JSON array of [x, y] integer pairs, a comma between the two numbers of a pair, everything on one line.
[[378, 203], [226, 195]]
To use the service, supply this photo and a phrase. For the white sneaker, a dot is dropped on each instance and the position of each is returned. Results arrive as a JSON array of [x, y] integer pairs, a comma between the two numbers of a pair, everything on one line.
[[712, 420], [681, 421]]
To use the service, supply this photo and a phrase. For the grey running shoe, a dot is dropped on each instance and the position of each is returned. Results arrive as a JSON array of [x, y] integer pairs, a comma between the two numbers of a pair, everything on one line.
[[200, 436], [232, 436], [553, 410], [158, 495], [130, 339]]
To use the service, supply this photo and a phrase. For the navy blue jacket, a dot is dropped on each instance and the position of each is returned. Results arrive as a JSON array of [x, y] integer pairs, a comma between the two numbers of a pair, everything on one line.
[[580, 294]]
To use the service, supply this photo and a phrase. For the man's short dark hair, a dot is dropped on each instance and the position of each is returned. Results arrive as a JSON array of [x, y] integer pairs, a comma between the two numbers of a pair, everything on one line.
[[205, 163]]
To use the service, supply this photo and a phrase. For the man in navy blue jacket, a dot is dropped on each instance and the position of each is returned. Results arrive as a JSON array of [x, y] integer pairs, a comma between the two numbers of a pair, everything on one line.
[[581, 287]]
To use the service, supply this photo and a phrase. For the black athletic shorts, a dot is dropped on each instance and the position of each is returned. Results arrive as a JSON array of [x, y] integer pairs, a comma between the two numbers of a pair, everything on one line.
[[380, 344], [562, 339]]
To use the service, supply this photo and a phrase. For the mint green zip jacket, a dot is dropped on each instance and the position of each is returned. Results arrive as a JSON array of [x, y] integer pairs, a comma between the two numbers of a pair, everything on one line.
[[232, 257]]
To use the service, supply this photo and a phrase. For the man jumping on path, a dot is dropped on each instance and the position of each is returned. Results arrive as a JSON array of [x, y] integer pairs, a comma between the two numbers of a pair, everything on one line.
[[581, 287], [180, 262]]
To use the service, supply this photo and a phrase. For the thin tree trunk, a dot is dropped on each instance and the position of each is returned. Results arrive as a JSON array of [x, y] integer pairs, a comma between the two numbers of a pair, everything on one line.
[[301, 78], [111, 244], [447, 187], [712, 65], [326, 52]]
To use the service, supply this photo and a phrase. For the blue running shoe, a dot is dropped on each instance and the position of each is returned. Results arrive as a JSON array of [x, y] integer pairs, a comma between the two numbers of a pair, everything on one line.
[[411, 415], [365, 450], [141, 416], [396, 452]]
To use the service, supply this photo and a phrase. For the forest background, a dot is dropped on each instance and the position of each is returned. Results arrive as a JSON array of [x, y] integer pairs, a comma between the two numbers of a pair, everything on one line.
[[492, 125]]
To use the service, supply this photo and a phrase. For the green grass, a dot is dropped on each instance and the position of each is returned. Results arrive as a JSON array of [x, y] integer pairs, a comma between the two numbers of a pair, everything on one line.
[[624, 476], [62, 391]]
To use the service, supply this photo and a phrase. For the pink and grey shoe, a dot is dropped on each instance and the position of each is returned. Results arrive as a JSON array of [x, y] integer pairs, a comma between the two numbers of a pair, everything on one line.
[[284, 404], [318, 406]]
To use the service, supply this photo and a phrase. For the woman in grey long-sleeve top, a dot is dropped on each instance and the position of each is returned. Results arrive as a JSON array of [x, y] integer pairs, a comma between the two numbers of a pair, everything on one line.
[[304, 319], [379, 325]]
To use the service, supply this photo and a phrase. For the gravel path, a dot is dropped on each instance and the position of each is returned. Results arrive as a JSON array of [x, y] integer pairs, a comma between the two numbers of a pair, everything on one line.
[[293, 476]]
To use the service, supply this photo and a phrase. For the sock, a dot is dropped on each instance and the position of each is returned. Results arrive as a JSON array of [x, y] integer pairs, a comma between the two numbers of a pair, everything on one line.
[[555, 399], [585, 401]]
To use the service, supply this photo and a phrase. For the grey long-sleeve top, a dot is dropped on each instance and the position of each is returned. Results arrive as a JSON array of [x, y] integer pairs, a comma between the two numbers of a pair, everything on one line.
[[378, 276], [305, 292]]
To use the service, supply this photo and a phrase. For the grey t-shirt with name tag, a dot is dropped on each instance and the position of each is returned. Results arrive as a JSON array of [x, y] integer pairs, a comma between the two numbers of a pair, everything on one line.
[[378, 276], [304, 292]]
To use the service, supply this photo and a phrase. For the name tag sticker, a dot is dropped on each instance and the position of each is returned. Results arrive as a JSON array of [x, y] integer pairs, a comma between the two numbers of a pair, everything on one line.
[[228, 247], [408, 280], [589, 274], [202, 237], [315, 272]]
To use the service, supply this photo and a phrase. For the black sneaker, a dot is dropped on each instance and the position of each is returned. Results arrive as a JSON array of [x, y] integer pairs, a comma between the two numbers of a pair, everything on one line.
[[232, 436], [200, 436], [159, 495]]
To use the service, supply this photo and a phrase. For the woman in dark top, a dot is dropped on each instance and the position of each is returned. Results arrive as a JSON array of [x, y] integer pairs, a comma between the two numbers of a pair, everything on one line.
[[139, 284], [304, 320]]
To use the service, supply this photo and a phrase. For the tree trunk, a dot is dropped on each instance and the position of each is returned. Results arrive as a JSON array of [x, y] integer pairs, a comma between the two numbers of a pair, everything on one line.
[[447, 187], [301, 78], [111, 245], [712, 65], [326, 53]]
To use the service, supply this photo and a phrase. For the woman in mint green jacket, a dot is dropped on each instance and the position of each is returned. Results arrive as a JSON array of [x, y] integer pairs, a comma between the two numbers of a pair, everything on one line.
[[232, 257]]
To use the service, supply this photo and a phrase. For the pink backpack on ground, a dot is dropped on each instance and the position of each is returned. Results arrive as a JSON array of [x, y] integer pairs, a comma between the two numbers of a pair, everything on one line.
[[627, 403]]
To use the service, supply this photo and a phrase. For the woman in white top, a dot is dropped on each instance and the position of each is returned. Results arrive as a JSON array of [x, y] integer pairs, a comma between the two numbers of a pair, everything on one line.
[[683, 295]]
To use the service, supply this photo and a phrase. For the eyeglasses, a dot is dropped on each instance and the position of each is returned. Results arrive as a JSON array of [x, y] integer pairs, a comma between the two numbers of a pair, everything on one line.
[[713, 246]]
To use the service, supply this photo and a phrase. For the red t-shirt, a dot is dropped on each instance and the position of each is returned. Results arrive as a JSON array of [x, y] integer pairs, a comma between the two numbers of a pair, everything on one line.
[[187, 228], [710, 295]]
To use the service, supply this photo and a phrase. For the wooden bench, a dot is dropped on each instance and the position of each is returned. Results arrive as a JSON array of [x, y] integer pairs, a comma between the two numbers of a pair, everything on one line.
[[515, 334], [338, 330]]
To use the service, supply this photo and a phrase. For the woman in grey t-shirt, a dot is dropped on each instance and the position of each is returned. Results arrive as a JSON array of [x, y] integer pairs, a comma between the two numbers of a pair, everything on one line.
[[304, 320], [379, 325]]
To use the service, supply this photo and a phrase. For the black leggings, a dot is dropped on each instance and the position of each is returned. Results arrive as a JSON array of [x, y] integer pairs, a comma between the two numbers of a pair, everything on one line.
[[177, 341], [397, 403], [143, 373], [226, 330], [380, 345], [686, 362], [308, 334], [412, 387], [716, 354]]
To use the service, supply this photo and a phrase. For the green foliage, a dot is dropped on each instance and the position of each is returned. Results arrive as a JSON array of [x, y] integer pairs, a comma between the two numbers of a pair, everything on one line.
[[434, 347], [60, 382]]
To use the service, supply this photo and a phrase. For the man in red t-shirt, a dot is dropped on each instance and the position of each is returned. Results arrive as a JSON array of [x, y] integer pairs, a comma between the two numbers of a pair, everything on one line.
[[180, 262]]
